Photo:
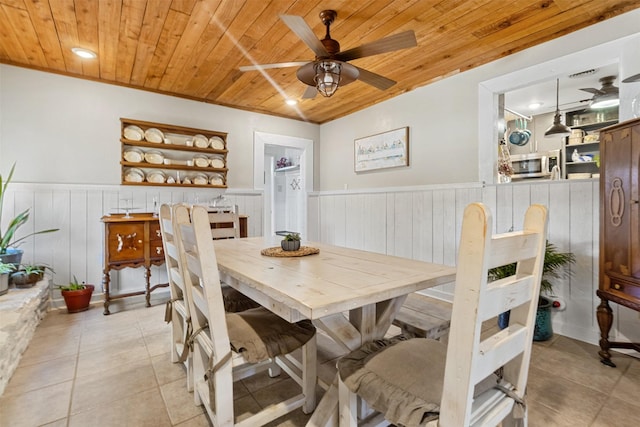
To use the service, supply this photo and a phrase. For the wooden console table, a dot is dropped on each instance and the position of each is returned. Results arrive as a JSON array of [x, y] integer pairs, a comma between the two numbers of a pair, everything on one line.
[[135, 241]]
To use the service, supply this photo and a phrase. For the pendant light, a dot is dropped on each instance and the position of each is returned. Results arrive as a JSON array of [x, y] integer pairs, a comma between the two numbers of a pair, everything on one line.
[[557, 128]]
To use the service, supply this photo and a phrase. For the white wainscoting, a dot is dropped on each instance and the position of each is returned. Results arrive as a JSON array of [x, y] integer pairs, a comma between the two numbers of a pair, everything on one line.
[[78, 247], [424, 223], [415, 222]]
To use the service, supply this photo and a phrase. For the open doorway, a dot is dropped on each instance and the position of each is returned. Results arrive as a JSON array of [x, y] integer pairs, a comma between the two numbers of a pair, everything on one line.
[[283, 169]]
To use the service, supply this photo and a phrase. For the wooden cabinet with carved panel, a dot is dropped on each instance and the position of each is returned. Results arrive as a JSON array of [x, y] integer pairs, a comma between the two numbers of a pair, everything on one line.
[[619, 228], [134, 241]]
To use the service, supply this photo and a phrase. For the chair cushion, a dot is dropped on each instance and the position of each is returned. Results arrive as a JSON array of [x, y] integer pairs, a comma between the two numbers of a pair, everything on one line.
[[259, 334], [235, 301], [401, 378]]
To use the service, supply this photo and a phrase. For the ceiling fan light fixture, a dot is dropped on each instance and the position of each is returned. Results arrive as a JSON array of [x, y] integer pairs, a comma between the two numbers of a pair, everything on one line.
[[605, 101], [327, 77], [557, 128]]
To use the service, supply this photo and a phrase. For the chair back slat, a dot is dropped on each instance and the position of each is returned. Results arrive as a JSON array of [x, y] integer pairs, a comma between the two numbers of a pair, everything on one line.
[[504, 295], [497, 350], [224, 225], [511, 247], [470, 359]]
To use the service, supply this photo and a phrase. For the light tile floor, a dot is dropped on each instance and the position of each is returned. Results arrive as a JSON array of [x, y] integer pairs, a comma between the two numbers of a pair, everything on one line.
[[87, 369]]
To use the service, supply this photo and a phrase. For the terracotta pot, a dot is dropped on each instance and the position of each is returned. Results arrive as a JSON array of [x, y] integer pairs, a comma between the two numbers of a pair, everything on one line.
[[77, 301]]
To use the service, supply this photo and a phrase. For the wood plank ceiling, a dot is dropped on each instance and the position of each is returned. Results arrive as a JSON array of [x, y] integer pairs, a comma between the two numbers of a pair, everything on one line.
[[193, 48]]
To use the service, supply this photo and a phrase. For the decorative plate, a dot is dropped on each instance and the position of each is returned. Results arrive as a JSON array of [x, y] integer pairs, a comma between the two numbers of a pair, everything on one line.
[[154, 157], [133, 133], [216, 143], [201, 160], [154, 135], [200, 141], [217, 162], [216, 179], [199, 179], [133, 175], [156, 177], [133, 155]]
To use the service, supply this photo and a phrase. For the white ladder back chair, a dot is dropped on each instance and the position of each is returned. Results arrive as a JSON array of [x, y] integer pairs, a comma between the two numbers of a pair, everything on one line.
[[177, 312], [219, 220], [223, 343], [474, 381], [219, 225]]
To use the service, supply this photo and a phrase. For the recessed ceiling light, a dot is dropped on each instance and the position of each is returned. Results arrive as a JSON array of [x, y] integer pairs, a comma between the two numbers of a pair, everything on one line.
[[84, 53], [291, 102], [535, 105]]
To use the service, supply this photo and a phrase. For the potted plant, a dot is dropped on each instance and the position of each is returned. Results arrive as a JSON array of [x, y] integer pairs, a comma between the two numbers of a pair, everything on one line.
[[5, 270], [77, 296], [291, 242], [8, 251], [28, 275], [553, 267]]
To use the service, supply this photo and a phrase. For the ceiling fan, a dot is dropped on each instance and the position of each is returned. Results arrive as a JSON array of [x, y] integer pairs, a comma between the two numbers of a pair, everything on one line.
[[330, 70], [606, 96]]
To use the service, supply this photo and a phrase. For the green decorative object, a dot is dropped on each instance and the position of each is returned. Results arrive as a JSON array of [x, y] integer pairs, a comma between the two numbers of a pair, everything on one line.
[[543, 329]]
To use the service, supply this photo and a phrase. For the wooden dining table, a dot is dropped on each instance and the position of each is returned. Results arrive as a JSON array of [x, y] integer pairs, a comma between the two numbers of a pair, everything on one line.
[[352, 295]]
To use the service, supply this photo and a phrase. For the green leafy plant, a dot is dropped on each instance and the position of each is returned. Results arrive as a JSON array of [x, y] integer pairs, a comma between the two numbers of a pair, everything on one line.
[[35, 268], [6, 268], [72, 286], [7, 237], [553, 267], [292, 237]]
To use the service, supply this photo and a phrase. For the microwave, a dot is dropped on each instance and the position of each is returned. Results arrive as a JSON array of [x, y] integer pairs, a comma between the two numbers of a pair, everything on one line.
[[534, 165]]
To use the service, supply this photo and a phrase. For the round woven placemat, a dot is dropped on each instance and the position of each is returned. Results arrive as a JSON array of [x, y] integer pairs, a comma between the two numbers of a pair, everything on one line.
[[277, 251]]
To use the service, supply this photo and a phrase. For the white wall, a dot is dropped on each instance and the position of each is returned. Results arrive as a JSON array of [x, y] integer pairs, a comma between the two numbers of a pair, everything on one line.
[[65, 130], [452, 132]]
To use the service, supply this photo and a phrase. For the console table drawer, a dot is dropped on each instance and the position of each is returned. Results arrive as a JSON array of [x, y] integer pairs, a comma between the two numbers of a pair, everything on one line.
[[125, 242], [625, 287]]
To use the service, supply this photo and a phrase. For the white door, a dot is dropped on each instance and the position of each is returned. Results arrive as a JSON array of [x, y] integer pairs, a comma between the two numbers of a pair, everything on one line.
[[285, 187]]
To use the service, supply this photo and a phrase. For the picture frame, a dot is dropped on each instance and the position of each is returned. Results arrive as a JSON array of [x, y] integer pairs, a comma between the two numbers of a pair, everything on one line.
[[381, 151]]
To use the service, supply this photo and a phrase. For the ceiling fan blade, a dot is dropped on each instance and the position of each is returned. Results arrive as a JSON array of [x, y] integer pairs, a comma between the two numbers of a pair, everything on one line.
[[593, 91], [302, 30], [270, 66], [375, 80], [387, 44], [310, 92], [632, 79]]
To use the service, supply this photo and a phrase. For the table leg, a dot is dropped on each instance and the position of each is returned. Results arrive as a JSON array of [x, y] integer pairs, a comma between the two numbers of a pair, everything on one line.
[[326, 413], [365, 324], [106, 279], [605, 320], [147, 276]]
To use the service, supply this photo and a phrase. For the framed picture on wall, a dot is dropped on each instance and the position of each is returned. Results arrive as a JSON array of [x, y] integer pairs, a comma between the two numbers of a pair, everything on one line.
[[384, 150]]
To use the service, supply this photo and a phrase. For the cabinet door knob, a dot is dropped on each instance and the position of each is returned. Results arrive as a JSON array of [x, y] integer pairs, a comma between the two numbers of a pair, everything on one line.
[[617, 286]]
